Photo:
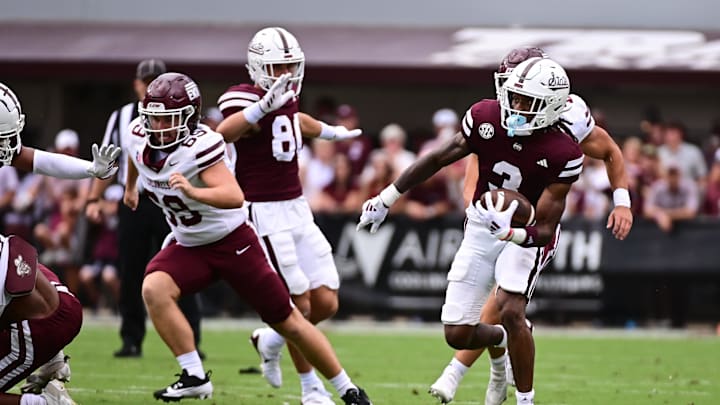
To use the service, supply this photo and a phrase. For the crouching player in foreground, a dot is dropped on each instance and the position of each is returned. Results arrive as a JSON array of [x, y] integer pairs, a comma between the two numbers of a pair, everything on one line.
[[38, 315], [39, 318], [181, 165]]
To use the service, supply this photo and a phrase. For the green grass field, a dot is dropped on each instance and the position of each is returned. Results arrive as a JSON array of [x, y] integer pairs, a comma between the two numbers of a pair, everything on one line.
[[397, 367]]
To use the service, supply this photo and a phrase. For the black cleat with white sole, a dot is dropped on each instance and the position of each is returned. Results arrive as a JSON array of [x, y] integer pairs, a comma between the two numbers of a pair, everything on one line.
[[187, 386]]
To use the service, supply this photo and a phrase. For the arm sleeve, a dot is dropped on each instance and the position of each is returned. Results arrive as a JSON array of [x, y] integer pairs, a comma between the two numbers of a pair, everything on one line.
[[60, 166]]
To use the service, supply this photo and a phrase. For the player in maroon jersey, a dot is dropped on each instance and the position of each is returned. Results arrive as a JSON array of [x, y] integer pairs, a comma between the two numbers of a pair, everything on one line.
[[596, 143], [39, 316], [267, 145], [541, 162]]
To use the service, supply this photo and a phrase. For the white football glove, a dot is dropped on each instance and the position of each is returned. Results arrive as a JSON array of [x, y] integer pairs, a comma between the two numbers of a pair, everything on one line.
[[339, 133], [498, 222], [277, 96], [374, 212], [104, 159]]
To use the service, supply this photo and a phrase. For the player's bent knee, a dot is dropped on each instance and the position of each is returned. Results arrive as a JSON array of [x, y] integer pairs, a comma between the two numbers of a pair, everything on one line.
[[292, 327], [324, 304], [158, 287], [458, 336]]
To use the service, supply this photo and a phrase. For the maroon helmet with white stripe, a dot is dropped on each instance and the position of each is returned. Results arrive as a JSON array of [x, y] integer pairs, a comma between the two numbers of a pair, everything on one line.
[[544, 86], [170, 110], [511, 60], [270, 49]]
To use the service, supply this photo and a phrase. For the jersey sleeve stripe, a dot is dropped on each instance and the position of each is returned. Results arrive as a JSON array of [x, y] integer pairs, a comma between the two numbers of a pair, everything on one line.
[[238, 94], [574, 162], [218, 144], [467, 124], [236, 103], [212, 160], [572, 172]]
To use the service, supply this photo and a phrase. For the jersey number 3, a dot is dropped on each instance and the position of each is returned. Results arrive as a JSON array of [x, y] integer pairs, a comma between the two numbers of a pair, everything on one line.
[[510, 174], [287, 138]]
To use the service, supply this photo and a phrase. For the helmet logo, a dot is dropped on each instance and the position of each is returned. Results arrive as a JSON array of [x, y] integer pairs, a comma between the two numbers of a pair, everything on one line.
[[154, 105], [486, 130], [257, 48], [557, 82], [192, 90]]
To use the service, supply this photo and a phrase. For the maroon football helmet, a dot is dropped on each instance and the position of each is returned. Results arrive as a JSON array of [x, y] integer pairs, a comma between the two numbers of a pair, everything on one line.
[[170, 110], [512, 59]]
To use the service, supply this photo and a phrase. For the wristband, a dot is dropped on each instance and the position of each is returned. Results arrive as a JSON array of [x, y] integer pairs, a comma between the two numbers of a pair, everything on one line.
[[621, 197], [389, 195], [326, 131], [524, 237], [253, 113]]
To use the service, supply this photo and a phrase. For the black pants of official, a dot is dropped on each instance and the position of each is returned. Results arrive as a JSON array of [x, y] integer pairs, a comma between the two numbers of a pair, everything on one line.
[[140, 234]]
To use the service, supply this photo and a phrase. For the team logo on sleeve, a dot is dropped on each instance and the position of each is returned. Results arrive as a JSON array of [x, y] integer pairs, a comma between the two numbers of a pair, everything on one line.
[[22, 268], [486, 130]]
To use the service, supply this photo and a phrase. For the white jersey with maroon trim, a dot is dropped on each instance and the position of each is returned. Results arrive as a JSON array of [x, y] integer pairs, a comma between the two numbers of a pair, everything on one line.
[[577, 121], [192, 223]]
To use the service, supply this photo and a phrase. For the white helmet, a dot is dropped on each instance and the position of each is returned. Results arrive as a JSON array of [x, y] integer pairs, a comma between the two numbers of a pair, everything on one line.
[[275, 46], [12, 121], [547, 85]]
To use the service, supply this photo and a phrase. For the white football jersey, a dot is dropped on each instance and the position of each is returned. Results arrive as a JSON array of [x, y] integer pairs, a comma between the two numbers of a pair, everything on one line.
[[577, 120], [192, 223]]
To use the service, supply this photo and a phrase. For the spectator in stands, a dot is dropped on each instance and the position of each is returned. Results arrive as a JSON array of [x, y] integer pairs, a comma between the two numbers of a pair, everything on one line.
[[652, 127], [392, 140], [104, 252], [58, 234], [342, 194], [632, 154], [676, 152], [672, 198], [711, 205], [356, 149], [376, 176], [591, 191], [317, 172], [446, 124]]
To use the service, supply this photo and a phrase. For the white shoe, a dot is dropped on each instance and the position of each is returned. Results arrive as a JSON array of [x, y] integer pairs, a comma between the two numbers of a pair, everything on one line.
[[270, 364], [56, 368], [445, 386], [496, 392], [317, 396], [56, 394]]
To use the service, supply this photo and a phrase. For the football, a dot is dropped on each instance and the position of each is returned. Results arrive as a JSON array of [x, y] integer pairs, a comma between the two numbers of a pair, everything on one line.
[[501, 198]]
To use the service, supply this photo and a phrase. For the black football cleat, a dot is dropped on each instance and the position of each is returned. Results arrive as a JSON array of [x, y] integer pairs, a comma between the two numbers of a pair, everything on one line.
[[356, 396], [187, 386]]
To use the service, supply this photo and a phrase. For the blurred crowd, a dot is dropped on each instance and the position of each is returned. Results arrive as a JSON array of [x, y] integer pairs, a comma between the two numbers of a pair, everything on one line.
[[671, 179]]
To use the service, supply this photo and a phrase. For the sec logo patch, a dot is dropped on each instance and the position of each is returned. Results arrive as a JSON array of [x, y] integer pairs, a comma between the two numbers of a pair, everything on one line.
[[486, 130]]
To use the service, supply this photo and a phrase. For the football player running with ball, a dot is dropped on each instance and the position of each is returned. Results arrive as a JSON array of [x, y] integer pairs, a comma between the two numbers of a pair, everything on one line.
[[520, 147], [182, 166], [595, 142], [267, 145]]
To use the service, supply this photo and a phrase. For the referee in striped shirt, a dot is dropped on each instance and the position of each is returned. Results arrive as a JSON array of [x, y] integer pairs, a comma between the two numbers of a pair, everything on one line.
[[140, 232]]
